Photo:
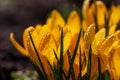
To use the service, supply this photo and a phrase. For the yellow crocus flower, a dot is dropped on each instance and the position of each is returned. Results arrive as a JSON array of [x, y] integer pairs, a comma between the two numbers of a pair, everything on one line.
[[46, 38], [41, 41], [99, 9]]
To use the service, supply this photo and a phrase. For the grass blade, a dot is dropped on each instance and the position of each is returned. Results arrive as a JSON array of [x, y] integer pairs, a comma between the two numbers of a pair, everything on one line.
[[59, 63], [56, 57], [99, 70], [74, 54], [80, 67], [89, 64], [72, 70], [61, 55], [106, 25], [106, 75], [95, 17]]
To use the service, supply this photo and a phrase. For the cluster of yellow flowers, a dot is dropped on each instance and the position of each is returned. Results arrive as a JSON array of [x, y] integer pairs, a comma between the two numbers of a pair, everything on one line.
[[104, 42]]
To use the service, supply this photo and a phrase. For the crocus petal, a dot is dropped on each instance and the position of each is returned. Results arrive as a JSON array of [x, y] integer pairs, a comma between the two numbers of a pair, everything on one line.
[[99, 37], [94, 66], [115, 15], [106, 45], [36, 38], [73, 22], [34, 58], [66, 43], [118, 34], [55, 20], [112, 29], [89, 36], [18, 46], [32, 54], [85, 8], [54, 25], [38, 27], [46, 46], [56, 34], [101, 13], [73, 42], [116, 64], [26, 35]]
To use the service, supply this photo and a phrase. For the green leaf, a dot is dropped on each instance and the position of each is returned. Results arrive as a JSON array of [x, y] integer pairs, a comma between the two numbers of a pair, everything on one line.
[[58, 62], [61, 55], [106, 75], [99, 69], [56, 72], [51, 67], [95, 17], [89, 64], [74, 54], [80, 67], [85, 77], [56, 57], [106, 25], [72, 70]]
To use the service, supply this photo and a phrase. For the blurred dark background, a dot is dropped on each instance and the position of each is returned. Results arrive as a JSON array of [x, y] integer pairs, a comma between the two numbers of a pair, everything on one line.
[[15, 16]]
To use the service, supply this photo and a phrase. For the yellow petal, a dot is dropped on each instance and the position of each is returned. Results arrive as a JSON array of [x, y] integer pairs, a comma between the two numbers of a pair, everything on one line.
[[56, 33], [36, 38], [115, 15], [18, 46], [66, 43], [85, 8], [30, 47], [38, 28], [46, 46], [89, 36], [94, 66], [116, 63], [32, 54], [55, 20], [26, 35], [101, 13], [118, 34], [54, 24], [117, 41], [34, 58], [107, 44], [116, 44], [99, 37], [73, 42], [73, 22], [112, 29]]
